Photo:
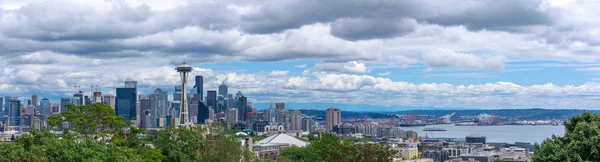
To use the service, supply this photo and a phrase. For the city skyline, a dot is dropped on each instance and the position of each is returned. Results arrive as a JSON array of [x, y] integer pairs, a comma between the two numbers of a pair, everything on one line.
[[432, 56]]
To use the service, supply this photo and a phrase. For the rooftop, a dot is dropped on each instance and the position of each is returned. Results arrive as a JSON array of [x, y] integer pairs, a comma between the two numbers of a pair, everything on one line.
[[283, 138]]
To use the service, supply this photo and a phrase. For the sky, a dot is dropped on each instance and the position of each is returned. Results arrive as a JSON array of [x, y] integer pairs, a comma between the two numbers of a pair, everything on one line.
[[389, 54]]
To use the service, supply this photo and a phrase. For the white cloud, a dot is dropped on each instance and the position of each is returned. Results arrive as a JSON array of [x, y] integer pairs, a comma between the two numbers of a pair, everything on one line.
[[384, 73], [347, 67], [47, 46], [301, 66], [450, 58], [279, 73]]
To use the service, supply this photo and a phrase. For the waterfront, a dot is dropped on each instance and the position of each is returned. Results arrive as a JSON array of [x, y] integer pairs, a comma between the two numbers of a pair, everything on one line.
[[504, 133]]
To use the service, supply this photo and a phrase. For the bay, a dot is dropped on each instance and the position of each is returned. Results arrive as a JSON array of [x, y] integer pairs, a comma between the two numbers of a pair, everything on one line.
[[502, 133]]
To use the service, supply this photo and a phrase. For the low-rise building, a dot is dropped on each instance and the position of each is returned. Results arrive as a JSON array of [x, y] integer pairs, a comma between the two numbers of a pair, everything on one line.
[[437, 155], [269, 147]]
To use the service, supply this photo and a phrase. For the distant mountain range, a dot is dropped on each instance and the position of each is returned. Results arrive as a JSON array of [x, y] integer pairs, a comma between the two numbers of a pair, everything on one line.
[[351, 110], [527, 114], [354, 107]]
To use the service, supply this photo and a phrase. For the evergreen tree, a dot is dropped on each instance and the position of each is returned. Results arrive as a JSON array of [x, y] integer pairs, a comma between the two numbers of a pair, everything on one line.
[[581, 141]]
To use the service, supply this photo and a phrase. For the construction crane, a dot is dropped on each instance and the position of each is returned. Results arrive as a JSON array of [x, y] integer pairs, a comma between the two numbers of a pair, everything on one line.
[[75, 88]]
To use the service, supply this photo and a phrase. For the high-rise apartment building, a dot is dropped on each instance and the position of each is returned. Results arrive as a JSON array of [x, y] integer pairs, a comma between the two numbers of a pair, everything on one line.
[[232, 115], [284, 118], [54, 109], [109, 100], [97, 97], [199, 80], [307, 124], [78, 99], [159, 106], [125, 104], [296, 120], [333, 117]]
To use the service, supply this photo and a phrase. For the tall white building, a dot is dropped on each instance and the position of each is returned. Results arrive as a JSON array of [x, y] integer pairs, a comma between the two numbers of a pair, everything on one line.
[[232, 115], [296, 120], [109, 100], [333, 118]]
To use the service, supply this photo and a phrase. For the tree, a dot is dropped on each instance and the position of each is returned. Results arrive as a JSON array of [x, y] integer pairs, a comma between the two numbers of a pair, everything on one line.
[[12, 138], [95, 119], [375, 152], [300, 154], [330, 148], [581, 141]]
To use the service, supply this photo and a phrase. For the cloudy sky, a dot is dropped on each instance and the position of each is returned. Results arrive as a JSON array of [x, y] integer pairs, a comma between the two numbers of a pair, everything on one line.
[[399, 54]]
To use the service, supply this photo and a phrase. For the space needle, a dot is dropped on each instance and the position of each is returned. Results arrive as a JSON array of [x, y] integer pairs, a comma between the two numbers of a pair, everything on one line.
[[183, 71]]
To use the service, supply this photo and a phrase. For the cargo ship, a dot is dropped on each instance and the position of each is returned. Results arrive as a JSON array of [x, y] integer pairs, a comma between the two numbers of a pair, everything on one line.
[[434, 129], [412, 125]]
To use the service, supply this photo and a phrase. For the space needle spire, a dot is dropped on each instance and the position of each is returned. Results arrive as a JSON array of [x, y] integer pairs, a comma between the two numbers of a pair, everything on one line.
[[183, 71]]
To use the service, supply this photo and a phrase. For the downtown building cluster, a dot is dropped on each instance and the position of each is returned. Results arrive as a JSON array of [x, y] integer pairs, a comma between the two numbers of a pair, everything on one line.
[[153, 110]]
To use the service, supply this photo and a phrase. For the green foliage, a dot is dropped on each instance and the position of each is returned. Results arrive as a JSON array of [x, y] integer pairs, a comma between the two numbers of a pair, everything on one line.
[[581, 141], [330, 148], [93, 119], [112, 142], [195, 144]]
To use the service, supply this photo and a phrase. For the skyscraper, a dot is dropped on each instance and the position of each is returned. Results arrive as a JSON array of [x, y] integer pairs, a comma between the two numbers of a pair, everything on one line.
[[273, 114], [109, 100], [296, 120], [144, 106], [14, 112], [34, 101], [211, 99], [132, 84], [159, 106], [54, 108], [44, 107], [280, 105], [78, 99], [203, 112], [230, 102], [199, 86], [125, 104], [97, 97], [284, 118], [223, 89], [242, 108], [7, 103], [63, 104], [232, 115], [333, 118], [1, 107], [307, 124]]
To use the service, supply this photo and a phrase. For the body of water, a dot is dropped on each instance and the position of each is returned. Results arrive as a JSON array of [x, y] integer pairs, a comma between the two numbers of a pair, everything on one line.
[[504, 133]]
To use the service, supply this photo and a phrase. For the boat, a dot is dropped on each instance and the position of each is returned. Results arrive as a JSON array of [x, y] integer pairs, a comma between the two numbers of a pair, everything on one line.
[[465, 124], [412, 125], [434, 129]]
